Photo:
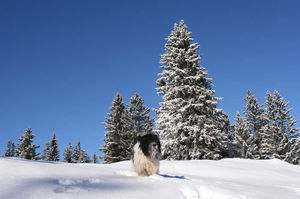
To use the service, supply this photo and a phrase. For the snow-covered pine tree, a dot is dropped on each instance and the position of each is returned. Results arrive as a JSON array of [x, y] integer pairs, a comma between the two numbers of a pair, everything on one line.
[[83, 157], [25, 148], [118, 133], [285, 134], [77, 153], [46, 151], [54, 151], [68, 153], [140, 116], [254, 114], [242, 140], [269, 130], [95, 158], [293, 154], [10, 151], [189, 123], [51, 152]]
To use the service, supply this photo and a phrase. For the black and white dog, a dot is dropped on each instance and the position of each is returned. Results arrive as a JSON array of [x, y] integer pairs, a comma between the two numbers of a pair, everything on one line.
[[146, 155]]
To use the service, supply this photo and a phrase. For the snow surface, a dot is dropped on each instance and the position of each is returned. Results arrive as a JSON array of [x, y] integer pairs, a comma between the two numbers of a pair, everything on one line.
[[204, 179]]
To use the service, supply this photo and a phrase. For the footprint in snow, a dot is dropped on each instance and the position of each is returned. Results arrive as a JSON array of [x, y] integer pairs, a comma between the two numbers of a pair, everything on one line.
[[189, 192], [76, 185]]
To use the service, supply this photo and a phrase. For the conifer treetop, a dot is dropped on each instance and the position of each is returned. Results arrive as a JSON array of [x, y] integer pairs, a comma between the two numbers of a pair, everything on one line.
[[188, 118]]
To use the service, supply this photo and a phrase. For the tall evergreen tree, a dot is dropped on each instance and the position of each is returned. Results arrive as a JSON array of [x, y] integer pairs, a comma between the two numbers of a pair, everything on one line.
[[140, 116], [10, 151], [25, 148], [68, 153], [189, 123], [51, 152], [242, 137], [254, 114], [269, 130], [118, 133]]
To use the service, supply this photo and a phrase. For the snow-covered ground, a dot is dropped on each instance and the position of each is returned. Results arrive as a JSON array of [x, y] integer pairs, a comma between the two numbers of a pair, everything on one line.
[[225, 179]]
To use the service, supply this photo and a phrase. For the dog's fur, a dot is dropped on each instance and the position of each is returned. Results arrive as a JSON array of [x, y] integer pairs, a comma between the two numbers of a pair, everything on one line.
[[146, 155]]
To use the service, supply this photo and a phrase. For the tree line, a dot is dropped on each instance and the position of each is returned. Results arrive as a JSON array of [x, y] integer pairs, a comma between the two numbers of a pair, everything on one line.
[[189, 123], [27, 150]]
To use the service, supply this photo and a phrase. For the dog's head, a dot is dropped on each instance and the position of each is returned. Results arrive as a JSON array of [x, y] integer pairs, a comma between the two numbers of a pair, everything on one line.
[[150, 145]]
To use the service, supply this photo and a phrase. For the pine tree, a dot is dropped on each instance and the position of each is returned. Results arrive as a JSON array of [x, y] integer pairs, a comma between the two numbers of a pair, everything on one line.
[[77, 153], [83, 157], [189, 123], [46, 152], [140, 116], [118, 133], [280, 126], [242, 137], [25, 148], [68, 153], [293, 154], [54, 151], [254, 114], [51, 152], [10, 151], [269, 131], [95, 158]]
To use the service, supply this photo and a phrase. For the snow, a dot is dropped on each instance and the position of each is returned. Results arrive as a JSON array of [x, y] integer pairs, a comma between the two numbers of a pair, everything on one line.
[[204, 179]]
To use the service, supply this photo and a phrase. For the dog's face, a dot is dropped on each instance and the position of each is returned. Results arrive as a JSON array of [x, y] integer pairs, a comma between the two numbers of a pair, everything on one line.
[[154, 150], [150, 146]]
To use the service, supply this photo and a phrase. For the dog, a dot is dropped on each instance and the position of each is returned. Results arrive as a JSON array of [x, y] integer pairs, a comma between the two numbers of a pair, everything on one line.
[[146, 155]]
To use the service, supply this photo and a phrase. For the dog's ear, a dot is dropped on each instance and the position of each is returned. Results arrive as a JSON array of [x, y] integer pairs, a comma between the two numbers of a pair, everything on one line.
[[137, 139]]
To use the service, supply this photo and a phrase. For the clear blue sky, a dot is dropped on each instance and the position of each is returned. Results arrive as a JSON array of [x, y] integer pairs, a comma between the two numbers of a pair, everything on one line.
[[62, 62]]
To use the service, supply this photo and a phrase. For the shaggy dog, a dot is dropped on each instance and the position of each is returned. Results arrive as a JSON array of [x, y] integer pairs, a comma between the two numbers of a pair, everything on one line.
[[146, 154]]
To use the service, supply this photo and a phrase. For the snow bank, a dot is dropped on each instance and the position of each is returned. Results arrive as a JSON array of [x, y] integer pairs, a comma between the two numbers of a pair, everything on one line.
[[225, 179]]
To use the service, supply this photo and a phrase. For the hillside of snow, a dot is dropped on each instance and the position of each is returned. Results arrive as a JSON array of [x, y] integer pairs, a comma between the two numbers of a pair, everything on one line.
[[204, 179]]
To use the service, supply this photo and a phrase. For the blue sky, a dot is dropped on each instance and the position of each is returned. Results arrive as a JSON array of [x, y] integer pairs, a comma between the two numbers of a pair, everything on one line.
[[62, 62]]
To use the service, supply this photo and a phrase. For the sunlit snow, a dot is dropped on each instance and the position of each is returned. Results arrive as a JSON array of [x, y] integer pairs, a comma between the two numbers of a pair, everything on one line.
[[204, 179]]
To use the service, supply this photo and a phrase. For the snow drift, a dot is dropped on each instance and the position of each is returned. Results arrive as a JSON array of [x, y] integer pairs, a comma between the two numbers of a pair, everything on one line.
[[204, 179]]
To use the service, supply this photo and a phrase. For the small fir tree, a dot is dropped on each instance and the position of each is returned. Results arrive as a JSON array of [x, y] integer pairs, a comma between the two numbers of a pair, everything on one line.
[[280, 127], [51, 152], [77, 153], [269, 131], [293, 154], [140, 116], [25, 148], [189, 123], [83, 157], [68, 153], [118, 133], [46, 151], [10, 151], [242, 137], [95, 159], [254, 114]]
